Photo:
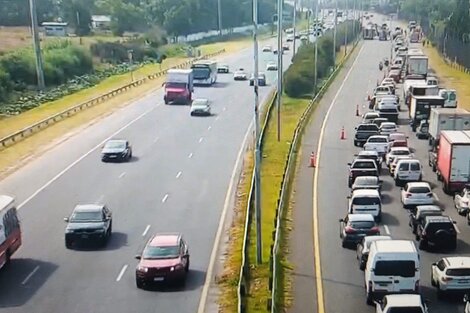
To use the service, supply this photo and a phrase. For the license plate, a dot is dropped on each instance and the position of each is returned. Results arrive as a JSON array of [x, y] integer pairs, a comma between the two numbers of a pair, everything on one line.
[[158, 278], [112, 156], [84, 236]]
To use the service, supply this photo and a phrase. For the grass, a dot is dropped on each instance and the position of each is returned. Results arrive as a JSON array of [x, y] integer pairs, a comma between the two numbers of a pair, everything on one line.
[[272, 168], [450, 77]]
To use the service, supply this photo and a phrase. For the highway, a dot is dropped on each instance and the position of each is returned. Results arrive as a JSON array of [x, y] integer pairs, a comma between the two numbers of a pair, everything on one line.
[[341, 278], [177, 181]]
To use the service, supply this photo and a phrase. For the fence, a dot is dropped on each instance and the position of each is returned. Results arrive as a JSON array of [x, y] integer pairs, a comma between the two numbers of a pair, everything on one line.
[[19, 135]]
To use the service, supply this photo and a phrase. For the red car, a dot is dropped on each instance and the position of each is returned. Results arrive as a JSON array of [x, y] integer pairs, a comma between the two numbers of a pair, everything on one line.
[[165, 259], [398, 137], [395, 75]]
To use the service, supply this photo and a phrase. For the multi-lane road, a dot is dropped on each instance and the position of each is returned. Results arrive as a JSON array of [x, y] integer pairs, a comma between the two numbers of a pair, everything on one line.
[[177, 181], [342, 281]]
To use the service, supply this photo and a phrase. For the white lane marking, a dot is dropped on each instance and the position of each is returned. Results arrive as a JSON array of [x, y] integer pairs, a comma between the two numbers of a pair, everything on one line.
[[165, 198], [201, 139], [190, 155], [122, 175], [156, 139], [387, 231], [25, 281], [436, 197], [209, 128], [224, 109], [146, 231], [316, 239], [65, 170], [100, 199], [121, 273], [457, 229], [179, 174], [227, 204]]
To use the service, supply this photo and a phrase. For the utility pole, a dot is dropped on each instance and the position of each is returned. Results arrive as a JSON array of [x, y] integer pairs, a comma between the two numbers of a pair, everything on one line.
[[257, 182], [280, 4], [346, 31], [354, 19], [295, 24], [334, 32], [316, 51], [219, 17], [37, 45]]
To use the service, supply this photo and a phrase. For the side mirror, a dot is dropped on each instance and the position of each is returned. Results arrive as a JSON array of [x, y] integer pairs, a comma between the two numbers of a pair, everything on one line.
[[348, 197], [341, 220], [349, 164], [455, 222], [138, 256], [66, 219], [163, 84], [435, 263]]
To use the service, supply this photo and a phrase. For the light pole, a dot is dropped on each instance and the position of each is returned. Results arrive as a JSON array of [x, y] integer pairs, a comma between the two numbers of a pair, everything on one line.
[[37, 45], [295, 22], [219, 17], [334, 32], [346, 31], [280, 4], [257, 182], [316, 51]]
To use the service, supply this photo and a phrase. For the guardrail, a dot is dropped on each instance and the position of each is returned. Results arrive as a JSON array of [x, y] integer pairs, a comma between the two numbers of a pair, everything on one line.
[[274, 259], [243, 286], [21, 134]]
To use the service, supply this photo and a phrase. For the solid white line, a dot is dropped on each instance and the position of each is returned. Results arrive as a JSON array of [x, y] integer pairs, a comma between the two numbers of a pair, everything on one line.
[[436, 197], [121, 273], [30, 275], [165, 198], [316, 239], [146, 231], [65, 170], [227, 204], [387, 231], [190, 155], [457, 229], [122, 175], [179, 174], [201, 139], [209, 128]]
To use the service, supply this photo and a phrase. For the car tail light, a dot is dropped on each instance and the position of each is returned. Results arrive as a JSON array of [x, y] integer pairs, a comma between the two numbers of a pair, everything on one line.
[[445, 278], [375, 229], [349, 230]]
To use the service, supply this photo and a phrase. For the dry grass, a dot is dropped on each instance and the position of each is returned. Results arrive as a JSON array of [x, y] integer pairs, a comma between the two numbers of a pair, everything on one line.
[[450, 77]]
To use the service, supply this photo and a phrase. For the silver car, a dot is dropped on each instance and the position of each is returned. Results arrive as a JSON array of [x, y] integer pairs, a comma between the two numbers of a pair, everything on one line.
[[200, 107]]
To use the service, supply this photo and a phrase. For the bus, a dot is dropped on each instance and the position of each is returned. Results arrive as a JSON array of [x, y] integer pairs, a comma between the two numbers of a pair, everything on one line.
[[10, 232], [204, 72]]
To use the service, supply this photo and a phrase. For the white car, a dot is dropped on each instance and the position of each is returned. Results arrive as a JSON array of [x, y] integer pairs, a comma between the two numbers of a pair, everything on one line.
[[290, 38], [451, 273], [396, 151], [412, 303], [271, 66], [417, 193], [393, 164], [240, 74], [462, 200], [388, 128], [388, 81], [408, 171], [267, 49], [223, 68], [377, 143], [368, 117], [200, 107]]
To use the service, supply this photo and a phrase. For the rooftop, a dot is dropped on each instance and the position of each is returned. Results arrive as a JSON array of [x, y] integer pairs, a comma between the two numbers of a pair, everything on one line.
[[165, 239], [88, 207]]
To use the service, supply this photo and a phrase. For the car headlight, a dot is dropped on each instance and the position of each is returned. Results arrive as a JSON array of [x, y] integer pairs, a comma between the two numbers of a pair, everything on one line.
[[142, 269], [176, 267], [68, 231]]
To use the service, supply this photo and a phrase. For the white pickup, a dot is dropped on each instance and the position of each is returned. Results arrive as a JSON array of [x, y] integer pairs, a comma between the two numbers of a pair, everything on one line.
[[377, 143]]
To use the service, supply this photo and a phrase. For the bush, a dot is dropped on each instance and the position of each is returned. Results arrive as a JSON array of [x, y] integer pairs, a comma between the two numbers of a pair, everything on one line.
[[116, 52], [5, 85], [295, 84]]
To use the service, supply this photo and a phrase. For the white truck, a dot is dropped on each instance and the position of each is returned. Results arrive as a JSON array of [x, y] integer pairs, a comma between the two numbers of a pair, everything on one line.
[[417, 65], [450, 97], [447, 119], [377, 143]]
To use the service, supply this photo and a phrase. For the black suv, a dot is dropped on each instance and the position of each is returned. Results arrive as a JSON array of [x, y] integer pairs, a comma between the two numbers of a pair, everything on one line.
[[438, 231], [91, 223], [363, 132]]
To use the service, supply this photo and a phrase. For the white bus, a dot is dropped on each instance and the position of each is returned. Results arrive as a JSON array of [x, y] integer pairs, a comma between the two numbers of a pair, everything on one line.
[[204, 72]]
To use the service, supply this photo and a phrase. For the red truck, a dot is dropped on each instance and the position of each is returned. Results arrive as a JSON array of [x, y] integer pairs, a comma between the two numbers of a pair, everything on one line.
[[178, 86], [453, 160]]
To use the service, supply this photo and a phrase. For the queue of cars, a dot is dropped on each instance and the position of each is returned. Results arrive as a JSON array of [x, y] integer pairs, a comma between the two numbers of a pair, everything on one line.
[[392, 270]]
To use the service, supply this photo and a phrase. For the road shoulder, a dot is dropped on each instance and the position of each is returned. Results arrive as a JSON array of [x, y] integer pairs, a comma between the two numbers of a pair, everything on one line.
[[301, 255]]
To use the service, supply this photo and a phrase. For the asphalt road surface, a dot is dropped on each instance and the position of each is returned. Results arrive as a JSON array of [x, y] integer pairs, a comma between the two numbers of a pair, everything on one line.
[[343, 282], [177, 181]]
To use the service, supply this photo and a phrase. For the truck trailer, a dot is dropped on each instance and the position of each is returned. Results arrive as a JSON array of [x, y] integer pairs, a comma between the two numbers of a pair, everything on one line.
[[178, 86], [420, 108], [453, 160], [447, 119]]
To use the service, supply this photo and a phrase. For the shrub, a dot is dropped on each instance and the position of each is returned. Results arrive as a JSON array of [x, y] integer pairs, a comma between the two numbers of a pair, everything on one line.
[[116, 52], [295, 84], [5, 85]]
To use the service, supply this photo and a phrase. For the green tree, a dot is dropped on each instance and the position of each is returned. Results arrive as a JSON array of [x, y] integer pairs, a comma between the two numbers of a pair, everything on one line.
[[78, 14]]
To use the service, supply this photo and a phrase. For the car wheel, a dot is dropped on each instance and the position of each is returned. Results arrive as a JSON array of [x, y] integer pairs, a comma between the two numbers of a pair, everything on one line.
[[369, 299], [422, 245], [343, 244], [139, 283], [186, 269], [440, 293], [68, 244], [433, 282], [397, 182]]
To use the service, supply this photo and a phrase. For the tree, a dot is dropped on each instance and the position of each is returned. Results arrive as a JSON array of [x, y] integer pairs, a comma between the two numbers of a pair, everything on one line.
[[78, 14]]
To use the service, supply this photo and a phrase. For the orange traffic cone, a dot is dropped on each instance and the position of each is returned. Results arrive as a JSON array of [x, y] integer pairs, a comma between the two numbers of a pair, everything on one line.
[[343, 135], [357, 110], [313, 159]]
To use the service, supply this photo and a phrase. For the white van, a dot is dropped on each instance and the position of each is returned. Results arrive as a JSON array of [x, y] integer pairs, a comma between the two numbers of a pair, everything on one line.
[[408, 170], [392, 267], [382, 90], [366, 201]]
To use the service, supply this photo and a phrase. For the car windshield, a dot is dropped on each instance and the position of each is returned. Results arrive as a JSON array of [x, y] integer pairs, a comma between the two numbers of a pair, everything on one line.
[[175, 85], [115, 145], [164, 252], [361, 224], [363, 165], [419, 190], [378, 139], [199, 104], [83, 217], [367, 128], [458, 272], [201, 72], [395, 268], [366, 201], [400, 152], [406, 309]]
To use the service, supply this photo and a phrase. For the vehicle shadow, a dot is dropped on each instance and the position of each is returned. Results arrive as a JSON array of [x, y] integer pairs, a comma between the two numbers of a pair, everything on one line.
[[117, 241], [134, 159], [21, 279], [386, 199], [219, 85], [389, 219], [194, 280], [387, 185]]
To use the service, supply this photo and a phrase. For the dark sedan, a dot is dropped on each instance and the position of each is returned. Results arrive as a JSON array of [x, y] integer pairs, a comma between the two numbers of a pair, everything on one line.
[[116, 150], [261, 79], [354, 227]]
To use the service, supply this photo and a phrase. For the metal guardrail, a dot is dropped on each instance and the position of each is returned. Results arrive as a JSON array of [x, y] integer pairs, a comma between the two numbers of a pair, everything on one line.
[[286, 179], [243, 286], [21, 134]]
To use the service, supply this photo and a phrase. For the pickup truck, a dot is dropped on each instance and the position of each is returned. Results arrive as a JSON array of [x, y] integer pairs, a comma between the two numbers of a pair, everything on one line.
[[363, 132], [377, 143], [361, 168], [418, 214]]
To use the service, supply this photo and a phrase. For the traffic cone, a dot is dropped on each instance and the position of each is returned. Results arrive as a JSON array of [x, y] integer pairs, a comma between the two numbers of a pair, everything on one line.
[[343, 135], [313, 159], [357, 110]]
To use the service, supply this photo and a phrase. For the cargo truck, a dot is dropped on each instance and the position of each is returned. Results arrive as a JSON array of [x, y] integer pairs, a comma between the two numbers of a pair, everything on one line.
[[450, 97], [453, 161], [178, 86], [447, 119], [420, 108], [417, 65], [368, 33]]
